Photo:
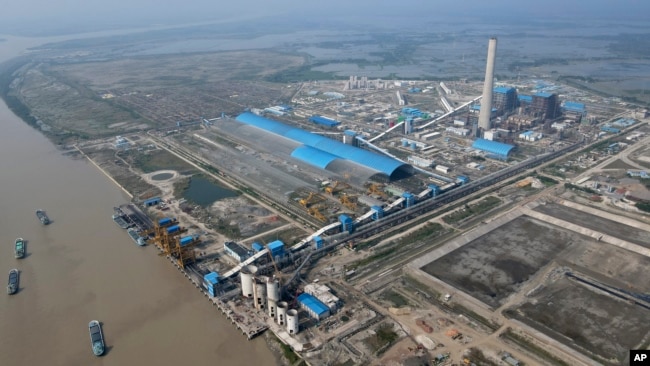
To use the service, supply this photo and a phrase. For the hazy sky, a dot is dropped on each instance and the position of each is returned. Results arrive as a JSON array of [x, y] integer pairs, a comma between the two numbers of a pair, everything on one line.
[[67, 15]]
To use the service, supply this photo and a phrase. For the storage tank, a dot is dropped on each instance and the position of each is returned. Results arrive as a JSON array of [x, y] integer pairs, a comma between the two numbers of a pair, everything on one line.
[[413, 146], [246, 282], [405, 143], [273, 289], [272, 308], [259, 296], [282, 312], [292, 321]]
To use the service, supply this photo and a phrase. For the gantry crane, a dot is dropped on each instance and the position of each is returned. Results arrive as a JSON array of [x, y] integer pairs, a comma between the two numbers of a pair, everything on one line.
[[183, 249], [311, 199]]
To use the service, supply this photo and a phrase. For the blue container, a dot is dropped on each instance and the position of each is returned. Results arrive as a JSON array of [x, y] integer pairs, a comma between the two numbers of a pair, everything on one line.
[[257, 246], [164, 221], [173, 229], [187, 240]]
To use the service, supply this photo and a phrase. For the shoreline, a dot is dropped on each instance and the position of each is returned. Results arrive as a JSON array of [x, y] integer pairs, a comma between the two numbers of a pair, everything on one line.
[[104, 172]]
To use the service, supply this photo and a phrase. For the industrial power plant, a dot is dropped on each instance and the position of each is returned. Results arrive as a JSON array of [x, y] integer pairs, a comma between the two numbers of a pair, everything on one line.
[[356, 209]]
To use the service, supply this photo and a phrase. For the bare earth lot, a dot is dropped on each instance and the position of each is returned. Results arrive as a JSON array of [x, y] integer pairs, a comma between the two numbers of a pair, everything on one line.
[[494, 266], [575, 315], [597, 223]]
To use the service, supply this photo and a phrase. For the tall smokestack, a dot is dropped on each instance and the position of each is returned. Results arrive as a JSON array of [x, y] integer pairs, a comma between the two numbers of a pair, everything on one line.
[[488, 86]]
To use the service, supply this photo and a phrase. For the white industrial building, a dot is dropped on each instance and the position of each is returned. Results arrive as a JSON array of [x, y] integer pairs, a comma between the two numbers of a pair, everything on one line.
[[430, 136], [457, 131], [443, 169], [421, 162], [323, 294]]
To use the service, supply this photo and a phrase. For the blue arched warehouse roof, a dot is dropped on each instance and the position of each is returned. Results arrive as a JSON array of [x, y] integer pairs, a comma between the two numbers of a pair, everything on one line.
[[320, 151], [493, 147]]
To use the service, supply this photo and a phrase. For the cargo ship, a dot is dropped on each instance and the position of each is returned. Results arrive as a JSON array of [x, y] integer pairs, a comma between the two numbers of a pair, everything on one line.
[[121, 221], [96, 337], [43, 217], [19, 248], [133, 233], [12, 285]]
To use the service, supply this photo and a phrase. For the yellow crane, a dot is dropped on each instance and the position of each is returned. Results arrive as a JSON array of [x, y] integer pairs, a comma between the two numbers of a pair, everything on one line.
[[377, 189], [349, 201], [311, 199], [314, 211], [337, 187]]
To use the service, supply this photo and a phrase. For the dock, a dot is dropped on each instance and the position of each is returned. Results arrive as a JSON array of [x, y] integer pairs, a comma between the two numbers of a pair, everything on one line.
[[242, 315], [135, 217]]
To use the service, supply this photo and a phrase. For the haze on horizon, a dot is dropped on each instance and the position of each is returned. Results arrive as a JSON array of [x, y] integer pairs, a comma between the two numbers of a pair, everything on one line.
[[44, 17]]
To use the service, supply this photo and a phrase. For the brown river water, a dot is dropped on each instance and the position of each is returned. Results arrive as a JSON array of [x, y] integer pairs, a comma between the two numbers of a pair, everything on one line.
[[83, 267]]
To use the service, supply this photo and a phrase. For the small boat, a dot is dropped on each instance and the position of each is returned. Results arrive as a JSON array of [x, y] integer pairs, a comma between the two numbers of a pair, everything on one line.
[[133, 233], [12, 286], [121, 221], [19, 248], [96, 337], [43, 217]]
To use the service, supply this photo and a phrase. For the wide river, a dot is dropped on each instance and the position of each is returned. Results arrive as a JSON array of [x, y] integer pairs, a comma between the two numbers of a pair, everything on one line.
[[84, 267]]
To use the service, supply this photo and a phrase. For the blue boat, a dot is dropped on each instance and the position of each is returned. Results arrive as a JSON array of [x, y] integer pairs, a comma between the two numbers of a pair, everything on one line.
[[96, 337], [12, 285]]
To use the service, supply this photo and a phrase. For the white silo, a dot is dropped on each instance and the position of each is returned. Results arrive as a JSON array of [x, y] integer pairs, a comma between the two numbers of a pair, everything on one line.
[[292, 321], [259, 296], [272, 308], [273, 289], [246, 282], [282, 312]]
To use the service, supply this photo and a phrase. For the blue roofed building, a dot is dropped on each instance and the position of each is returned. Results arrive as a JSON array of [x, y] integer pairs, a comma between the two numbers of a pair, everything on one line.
[[276, 248], [313, 306], [324, 121], [574, 107], [495, 149], [329, 154]]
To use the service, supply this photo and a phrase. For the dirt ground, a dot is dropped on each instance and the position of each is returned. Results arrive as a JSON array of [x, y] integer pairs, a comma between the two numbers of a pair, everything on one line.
[[495, 265], [616, 229], [574, 314]]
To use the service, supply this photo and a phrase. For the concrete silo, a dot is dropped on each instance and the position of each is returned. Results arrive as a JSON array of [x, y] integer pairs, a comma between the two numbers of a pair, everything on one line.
[[292, 321], [247, 282], [282, 312], [259, 296]]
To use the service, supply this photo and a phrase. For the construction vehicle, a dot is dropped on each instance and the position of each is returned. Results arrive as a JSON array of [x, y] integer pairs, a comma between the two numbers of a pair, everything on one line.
[[314, 211], [336, 188], [378, 190], [311, 199], [349, 201]]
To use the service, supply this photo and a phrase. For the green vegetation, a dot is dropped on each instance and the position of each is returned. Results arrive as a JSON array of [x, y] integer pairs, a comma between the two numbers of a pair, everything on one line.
[[643, 206], [579, 188], [478, 208], [546, 180], [532, 348], [427, 231], [180, 186], [474, 316], [301, 73], [151, 161], [289, 236], [477, 357], [382, 339], [397, 299], [377, 256]]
